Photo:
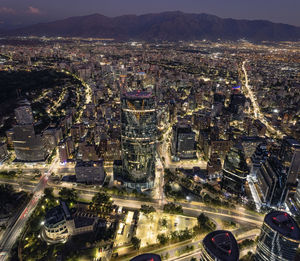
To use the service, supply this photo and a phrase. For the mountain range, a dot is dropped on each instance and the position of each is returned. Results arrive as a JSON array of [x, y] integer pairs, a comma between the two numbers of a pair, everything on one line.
[[166, 26]]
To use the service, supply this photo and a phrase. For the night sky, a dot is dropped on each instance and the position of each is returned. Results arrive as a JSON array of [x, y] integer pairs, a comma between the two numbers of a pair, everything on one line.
[[23, 12]]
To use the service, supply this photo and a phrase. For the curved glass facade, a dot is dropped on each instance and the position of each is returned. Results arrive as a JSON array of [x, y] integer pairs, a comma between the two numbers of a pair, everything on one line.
[[139, 129], [279, 238], [235, 171]]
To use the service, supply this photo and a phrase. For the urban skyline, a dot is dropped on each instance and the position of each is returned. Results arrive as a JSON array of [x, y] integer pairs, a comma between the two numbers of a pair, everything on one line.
[[169, 136]]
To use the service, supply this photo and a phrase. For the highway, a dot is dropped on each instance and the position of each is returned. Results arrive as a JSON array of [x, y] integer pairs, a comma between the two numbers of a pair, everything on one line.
[[12, 233], [190, 209], [172, 250]]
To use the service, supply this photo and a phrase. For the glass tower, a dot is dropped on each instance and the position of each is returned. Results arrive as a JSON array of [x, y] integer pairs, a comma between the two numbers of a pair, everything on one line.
[[279, 238], [139, 129], [235, 171]]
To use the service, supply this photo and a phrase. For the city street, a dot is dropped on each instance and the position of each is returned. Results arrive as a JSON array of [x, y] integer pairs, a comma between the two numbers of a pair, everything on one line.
[[257, 113], [12, 233]]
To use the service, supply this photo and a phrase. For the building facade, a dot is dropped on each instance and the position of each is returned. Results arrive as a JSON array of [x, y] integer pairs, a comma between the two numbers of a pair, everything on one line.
[[28, 146], [23, 113], [183, 142], [290, 156], [271, 180], [279, 238], [138, 138], [90, 172], [235, 171], [219, 245]]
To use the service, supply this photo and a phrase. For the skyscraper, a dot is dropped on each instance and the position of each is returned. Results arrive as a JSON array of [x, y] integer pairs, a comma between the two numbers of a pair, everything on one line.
[[24, 113], [29, 146], [237, 102], [290, 155], [279, 238], [219, 245], [235, 171], [271, 180], [139, 129]]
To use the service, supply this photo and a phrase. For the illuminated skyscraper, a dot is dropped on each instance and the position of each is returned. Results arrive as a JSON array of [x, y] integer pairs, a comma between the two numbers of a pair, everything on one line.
[[272, 180], [29, 146], [24, 113], [235, 171], [139, 129], [290, 155], [279, 238], [219, 245]]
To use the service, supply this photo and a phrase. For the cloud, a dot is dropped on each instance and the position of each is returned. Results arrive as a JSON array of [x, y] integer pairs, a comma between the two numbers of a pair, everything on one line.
[[7, 10], [33, 10]]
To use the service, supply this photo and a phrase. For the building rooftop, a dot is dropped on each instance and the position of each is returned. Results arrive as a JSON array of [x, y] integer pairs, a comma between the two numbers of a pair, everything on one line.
[[221, 245], [89, 163], [54, 216], [23, 102], [147, 257], [292, 142], [83, 221], [283, 223], [138, 94]]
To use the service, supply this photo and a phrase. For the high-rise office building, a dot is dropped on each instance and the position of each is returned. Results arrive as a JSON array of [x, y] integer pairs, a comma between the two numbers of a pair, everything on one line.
[[290, 156], [237, 102], [139, 130], [271, 180], [28, 145], [24, 113], [279, 238], [219, 245], [183, 142], [235, 171]]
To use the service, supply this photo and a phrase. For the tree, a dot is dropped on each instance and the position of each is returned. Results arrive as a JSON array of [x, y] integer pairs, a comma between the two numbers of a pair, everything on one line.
[[204, 224], [136, 242], [246, 243], [164, 222], [251, 205], [248, 257], [193, 259], [173, 208], [48, 192], [101, 202], [202, 220], [162, 239], [68, 195], [101, 198], [147, 209]]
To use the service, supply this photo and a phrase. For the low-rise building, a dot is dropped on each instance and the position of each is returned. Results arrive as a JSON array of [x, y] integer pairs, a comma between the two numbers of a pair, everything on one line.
[[60, 224], [90, 172]]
